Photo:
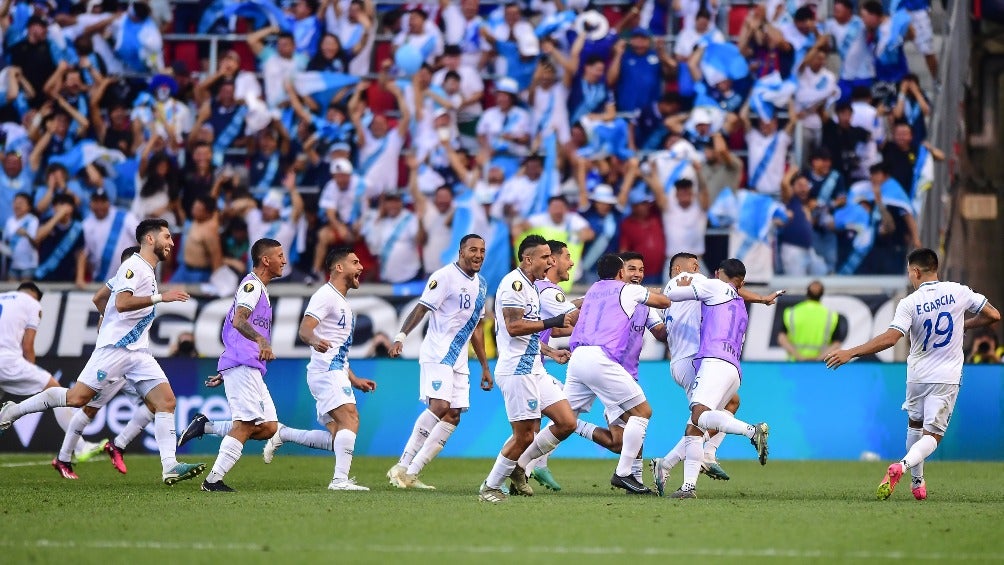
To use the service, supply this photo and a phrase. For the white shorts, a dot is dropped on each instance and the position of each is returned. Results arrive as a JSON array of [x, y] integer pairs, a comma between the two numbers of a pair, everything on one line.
[[19, 377], [248, 396], [715, 384], [108, 365], [526, 396], [684, 373], [331, 389], [931, 403], [443, 382], [923, 33], [591, 375], [105, 395]]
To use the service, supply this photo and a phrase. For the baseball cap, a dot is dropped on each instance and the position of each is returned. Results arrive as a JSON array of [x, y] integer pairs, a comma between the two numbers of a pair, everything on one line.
[[528, 44], [341, 166], [507, 85], [604, 194]]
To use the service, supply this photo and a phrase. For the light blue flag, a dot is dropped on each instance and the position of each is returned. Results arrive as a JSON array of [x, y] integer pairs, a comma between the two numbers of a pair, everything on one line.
[[556, 23], [322, 85], [86, 152], [260, 8], [723, 61]]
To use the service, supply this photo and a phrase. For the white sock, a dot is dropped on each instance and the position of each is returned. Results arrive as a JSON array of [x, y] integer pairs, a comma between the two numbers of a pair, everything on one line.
[[317, 439], [424, 424], [692, 464], [542, 462], [49, 398], [433, 445], [167, 439], [344, 444], [675, 455], [503, 468], [724, 421], [141, 418], [230, 452], [64, 415], [921, 450], [711, 446], [912, 436], [218, 428], [585, 429], [634, 438], [543, 443], [74, 430], [638, 469]]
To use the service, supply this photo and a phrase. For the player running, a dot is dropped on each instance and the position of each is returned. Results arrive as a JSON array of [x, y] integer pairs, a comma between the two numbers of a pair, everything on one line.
[[455, 295], [722, 333], [932, 317], [526, 388], [247, 347], [121, 351]]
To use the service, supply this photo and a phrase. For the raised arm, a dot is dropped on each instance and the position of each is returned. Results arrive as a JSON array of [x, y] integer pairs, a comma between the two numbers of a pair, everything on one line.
[[987, 316], [256, 40]]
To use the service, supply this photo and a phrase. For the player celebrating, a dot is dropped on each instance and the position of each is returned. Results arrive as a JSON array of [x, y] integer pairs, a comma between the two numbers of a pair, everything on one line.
[[247, 347], [455, 294], [930, 316], [722, 333], [526, 388], [600, 348], [122, 350]]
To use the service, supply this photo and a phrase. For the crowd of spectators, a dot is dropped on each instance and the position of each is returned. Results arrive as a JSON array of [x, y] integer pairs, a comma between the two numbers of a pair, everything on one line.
[[339, 122]]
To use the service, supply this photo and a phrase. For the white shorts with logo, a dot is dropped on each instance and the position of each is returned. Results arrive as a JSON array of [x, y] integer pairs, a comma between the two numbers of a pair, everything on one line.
[[248, 396], [19, 377], [931, 403], [923, 33], [715, 384], [331, 389], [591, 375], [108, 365], [443, 382], [684, 373], [526, 396]]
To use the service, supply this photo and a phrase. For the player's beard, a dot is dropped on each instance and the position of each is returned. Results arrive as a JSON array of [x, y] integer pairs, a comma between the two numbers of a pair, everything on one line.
[[162, 252]]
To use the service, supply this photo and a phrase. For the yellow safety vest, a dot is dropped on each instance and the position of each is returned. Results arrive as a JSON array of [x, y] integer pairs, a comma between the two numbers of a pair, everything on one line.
[[810, 327]]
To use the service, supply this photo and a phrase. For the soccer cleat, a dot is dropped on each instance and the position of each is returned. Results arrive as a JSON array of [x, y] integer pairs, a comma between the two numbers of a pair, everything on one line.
[[88, 450], [64, 469], [518, 484], [630, 484], [759, 441], [493, 495], [396, 475], [892, 477], [346, 484], [713, 470], [5, 421], [115, 454], [544, 477], [680, 493], [273, 443], [412, 481], [218, 486], [195, 429], [920, 489], [183, 472], [659, 475]]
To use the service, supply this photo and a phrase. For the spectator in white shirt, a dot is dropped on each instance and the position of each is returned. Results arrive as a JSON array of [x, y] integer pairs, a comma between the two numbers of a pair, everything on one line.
[[472, 88], [817, 88], [278, 64], [504, 130], [274, 220], [392, 237], [19, 235], [108, 231], [768, 149], [379, 144], [684, 214], [518, 193], [434, 217], [463, 28], [343, 203], [421, 34], [689, 37]]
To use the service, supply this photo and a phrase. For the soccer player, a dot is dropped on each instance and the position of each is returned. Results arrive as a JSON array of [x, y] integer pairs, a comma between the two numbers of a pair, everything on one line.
[[247, 347], [683, 321], [933, 316], [600, 349], [122, 352], [722, 333], [526, 388], [327, 327], [455, 295]]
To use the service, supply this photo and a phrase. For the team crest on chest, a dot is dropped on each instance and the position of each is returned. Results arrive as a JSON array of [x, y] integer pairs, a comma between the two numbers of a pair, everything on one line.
[[517, 286], [248, 287]]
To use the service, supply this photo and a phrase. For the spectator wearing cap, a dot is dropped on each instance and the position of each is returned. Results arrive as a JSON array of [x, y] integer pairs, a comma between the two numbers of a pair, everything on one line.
[[14, 178], [504, 129], [842, 139], [59, 242], [828, 193], [391, 235], [273, 219], [604, 213], [517, 56], [798, 255], [201, 252], [462, 27], [108, 231], [354, 28], [279, 64], [418, 33], [847, 33], [19, 232], [35, 57], [641, 232], [379, 144], [768, 150], [343, 203], [435, 215], [636, 70], [159, 110], [472, 89], [684, 212], [519, 192]]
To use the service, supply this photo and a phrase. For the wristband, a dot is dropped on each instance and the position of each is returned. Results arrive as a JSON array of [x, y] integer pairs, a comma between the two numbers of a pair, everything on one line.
[[157, 298], [400, 337], [555, 322]]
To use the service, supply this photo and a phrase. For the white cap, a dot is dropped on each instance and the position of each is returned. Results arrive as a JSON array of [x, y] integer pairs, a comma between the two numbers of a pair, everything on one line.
[[604, 194], [341, 166], [507, 85], [701, 115], [528, 44], [273, 199]]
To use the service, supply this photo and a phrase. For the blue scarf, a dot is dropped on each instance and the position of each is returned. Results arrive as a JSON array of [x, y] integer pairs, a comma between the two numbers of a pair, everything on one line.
[[674, 175], [768, 156], [365, 166], [357, 200], [854, 30], [230, 133], [592, 96], [829, 185], [61, 250], [114, 234], [16, 238], [268, 177]]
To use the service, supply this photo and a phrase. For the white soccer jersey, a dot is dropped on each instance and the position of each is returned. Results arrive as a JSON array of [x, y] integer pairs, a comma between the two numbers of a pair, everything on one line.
[[457, 302], [130, 330], [856, 62], [933, 318], [553, 302], [336, 323], [683, 321], [517, 355], [19, 311]]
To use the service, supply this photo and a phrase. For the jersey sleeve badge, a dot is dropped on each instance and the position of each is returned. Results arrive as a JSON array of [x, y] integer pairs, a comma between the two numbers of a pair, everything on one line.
[[248, 287], [560, 297], [129, 274], [433, 284], [517, 286]]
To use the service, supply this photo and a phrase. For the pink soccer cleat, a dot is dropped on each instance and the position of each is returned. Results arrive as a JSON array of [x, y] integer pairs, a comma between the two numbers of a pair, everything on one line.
[[892, 477], [64, 469], [920, 490], [115, 454]]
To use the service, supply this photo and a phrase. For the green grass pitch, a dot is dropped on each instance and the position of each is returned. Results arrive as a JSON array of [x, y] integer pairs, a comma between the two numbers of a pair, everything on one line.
[[787, 512]]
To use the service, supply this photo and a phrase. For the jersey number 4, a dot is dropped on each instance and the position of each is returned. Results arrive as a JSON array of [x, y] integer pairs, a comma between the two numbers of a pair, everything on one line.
[[937, 328]]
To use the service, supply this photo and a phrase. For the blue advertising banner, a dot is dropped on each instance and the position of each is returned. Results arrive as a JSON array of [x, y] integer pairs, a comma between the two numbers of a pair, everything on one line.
[[813, 413]]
